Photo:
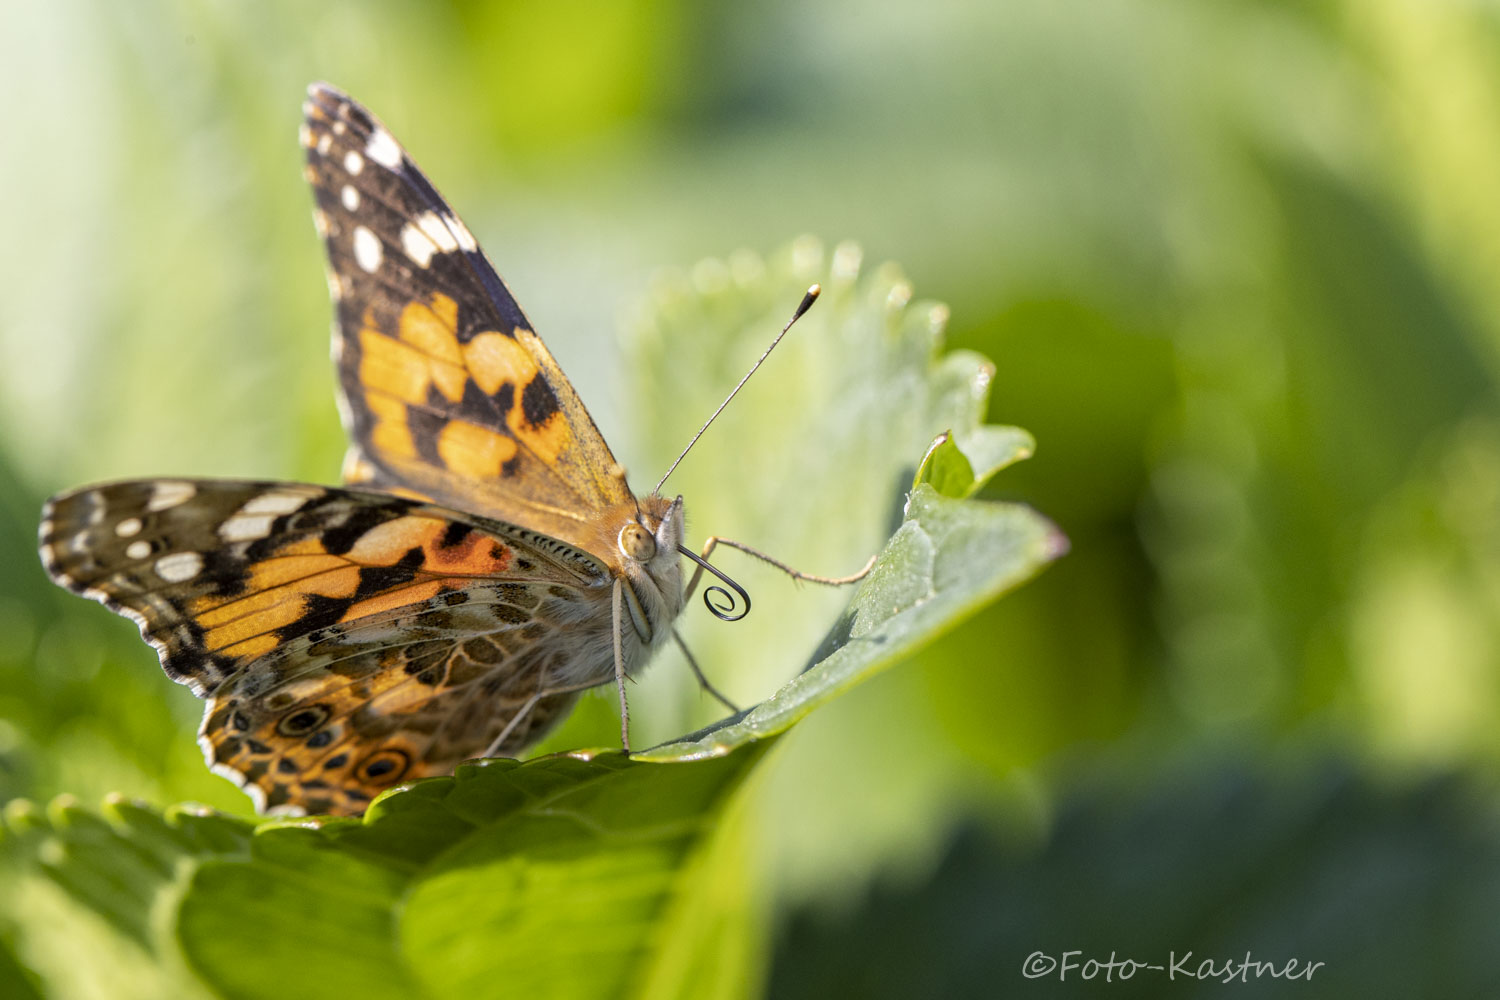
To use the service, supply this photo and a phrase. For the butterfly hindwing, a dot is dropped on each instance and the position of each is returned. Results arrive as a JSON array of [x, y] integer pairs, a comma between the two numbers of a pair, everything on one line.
[[331, 719], [344, 640], [447, 392]]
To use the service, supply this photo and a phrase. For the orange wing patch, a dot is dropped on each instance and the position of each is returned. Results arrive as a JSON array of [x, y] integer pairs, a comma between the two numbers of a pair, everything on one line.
[[495, 359], [477, 452], [391, 433], [449, 394], [424, 354], [402, 561], [534, 417], [417, 382], [432, 330]]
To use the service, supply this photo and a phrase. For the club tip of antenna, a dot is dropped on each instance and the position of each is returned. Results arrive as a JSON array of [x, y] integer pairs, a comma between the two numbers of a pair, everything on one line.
[[807, 300]]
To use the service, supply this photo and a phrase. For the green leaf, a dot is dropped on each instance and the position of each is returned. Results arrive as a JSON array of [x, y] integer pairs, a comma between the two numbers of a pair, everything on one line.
[[16, 982], [992, 448], [946, 468], [587, 873], [118, 862], [543, 878], [948, 558], [960, 468]]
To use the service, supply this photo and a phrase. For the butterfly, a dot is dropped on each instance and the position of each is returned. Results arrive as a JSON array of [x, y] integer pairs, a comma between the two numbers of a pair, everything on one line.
[[485, 562]]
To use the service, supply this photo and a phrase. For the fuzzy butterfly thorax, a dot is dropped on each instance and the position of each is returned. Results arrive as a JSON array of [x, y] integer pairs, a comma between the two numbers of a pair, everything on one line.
[[485, 562]]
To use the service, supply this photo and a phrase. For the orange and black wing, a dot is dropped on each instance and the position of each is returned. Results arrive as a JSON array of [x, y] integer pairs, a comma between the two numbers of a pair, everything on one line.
[[447, 392], [344, 640]]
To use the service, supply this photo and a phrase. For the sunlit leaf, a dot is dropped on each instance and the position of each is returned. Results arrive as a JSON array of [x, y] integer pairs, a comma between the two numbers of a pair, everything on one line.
[[947, 558], [562, 876]]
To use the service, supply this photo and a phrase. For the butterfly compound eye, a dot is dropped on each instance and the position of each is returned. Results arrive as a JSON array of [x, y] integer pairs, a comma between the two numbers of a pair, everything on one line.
[[637, 543]]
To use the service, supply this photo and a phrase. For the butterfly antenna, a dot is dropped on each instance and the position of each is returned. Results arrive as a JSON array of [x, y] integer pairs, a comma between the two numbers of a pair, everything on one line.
[[802, 307]]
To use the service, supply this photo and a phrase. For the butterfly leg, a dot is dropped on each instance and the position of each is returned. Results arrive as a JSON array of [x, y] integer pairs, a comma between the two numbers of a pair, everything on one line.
[[618, 622], [715, 540], [702, 680]]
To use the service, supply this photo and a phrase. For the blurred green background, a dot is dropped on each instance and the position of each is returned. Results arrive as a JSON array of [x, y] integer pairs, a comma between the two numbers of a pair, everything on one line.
[[1235, 263]]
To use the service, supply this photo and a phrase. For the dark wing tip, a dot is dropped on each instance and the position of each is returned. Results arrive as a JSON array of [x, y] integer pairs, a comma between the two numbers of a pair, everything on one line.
[[327, 104], [320, 90]]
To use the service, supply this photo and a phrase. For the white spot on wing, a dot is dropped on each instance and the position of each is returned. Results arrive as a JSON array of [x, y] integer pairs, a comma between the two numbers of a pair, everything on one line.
[[168, 493], [461, 233], [179, 566], [246, 527], [417, 246], [346, 412], [350, 197], [353, 162], [49, 556], [325, 143], [254, 519], [367, 250], [138, 550], [128, 527], [274, 503], [95, 594], [437, 231], [383, 149], [357, 468], [320, 222], [426, 235], [96, 509], [304, 134]]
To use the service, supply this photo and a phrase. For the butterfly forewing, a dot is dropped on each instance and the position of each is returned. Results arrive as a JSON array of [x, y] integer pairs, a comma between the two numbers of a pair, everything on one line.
[[345, 640], [447, 392]]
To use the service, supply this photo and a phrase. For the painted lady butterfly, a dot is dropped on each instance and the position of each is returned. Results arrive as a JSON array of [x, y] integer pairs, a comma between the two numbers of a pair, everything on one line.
[[487, 563]]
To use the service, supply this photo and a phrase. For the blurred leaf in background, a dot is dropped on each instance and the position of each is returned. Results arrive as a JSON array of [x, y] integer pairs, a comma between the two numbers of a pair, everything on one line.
[[1234, 264]]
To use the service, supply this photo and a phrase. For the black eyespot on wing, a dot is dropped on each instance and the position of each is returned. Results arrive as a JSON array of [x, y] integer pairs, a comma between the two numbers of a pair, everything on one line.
[[384, 766], [303, 721]]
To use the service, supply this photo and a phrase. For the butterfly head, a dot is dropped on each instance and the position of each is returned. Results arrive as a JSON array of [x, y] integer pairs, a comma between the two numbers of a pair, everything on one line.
[[647, 544]]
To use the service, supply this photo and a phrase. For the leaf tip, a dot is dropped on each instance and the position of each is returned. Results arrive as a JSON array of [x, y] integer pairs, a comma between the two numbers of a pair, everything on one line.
[[65, 810], [1056, 544], [22, 816]]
